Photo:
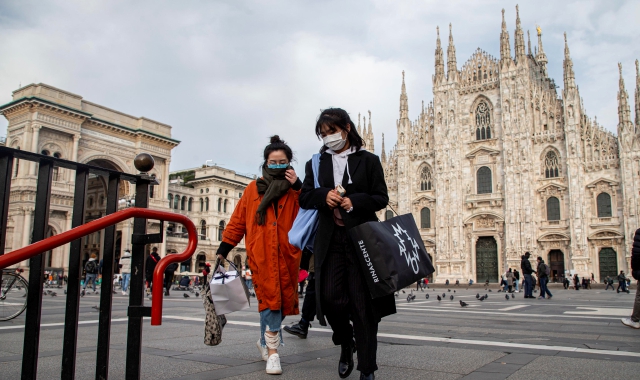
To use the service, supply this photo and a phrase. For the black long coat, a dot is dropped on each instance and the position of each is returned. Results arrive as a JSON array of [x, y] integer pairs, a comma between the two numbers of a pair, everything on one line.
[[368, 194]]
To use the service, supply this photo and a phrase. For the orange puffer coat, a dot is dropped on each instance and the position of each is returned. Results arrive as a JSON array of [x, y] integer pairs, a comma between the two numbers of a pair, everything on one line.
[[273, 261]]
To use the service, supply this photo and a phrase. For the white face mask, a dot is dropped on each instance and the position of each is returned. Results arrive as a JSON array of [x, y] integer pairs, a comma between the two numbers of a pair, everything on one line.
[[334, 141]]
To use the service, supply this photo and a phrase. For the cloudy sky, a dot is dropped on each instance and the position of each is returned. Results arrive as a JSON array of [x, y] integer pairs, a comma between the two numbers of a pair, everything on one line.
[[228, 74]]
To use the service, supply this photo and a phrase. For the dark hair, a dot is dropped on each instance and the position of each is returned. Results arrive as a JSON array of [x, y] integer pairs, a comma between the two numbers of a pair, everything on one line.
[[527, 254], [275, 145], [339, 119]]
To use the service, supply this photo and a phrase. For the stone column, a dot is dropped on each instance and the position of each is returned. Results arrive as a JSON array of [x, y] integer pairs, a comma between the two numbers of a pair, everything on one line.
[[66, 249], [26, 230], [74, 158], [165, 181], [34, 148], [474, 241]]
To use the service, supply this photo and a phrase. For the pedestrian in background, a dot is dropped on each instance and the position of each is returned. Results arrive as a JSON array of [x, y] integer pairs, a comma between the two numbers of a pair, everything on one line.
[[543, 278], [301, 329], [249, 280], [609, 282], [525, 265], [91, 273], [168, 277], [516, 276], [150, 266], [576, 281], [352, 189], [125, 269], [622, 282], [634, 319], [264, 217], [510, 280]]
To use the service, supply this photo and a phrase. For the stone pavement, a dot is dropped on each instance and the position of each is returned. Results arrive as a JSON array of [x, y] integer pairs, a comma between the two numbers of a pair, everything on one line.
[[573, 335]]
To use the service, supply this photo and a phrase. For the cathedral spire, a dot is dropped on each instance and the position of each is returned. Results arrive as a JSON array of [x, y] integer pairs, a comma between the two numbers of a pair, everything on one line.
[[528, 43], [359, 128], [439, 77], [370, 131], [452, 67], [637, 108], [569, 77], [519, 37], [370, 142], [404, 102], [624, 112], [541, 57], [505, 45], [383, 155]]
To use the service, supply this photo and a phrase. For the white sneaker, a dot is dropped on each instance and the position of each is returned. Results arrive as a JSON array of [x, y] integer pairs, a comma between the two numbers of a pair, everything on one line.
[[264, 352], [630, 323], [273, 365], [124, 293]]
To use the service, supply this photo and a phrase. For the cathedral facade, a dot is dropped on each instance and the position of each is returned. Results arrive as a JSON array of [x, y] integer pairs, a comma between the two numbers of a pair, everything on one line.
[[501, 162]]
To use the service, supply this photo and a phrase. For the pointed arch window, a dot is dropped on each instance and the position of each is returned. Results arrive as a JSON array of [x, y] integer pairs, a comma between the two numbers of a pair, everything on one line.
[[225, 205], [484, 181], [388, 215], [183, 203], [190, 205], [604, 205], [206, 204], [425, 179], [176, 202], [551, 166], [483, 121], [553, 208], [220, 230], [201, 204], [425, 218], [220, 204]]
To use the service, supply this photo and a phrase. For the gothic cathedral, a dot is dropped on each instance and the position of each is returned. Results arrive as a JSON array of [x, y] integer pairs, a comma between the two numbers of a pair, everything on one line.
[[500, 163]]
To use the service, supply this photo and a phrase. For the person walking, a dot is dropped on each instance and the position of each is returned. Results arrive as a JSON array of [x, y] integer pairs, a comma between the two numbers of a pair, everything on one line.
[[301, 329], [516, 277], [125, 269], [509, 275], [150, 266], [248, 280], [634, 320], [352, 189], [169, 272], [622, 282], [264, 216], [609, 282], [91, 273], [543, 278], [525, 265], [576, 281]]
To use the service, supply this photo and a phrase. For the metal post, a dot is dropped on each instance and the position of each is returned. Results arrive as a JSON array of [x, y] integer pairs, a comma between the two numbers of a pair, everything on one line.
[[6, 166], [136, 297], [70, 340], [106, 293], [36, 271]]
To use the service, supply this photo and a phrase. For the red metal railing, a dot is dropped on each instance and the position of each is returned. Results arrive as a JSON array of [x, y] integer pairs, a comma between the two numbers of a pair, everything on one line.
[[55, 241]]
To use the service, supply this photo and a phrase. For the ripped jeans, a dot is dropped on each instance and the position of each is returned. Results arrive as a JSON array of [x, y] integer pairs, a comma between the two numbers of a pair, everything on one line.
[[270, 320]]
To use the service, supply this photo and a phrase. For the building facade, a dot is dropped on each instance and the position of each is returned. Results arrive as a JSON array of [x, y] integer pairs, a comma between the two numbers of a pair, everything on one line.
[[501, 162]]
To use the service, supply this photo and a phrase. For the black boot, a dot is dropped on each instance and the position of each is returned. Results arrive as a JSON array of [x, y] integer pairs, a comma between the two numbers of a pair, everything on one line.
[[370, 376], [345, 365], [300, 329]]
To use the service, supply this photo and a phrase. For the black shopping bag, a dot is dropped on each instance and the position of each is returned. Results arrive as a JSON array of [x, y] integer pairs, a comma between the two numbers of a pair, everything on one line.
[[391, 253]]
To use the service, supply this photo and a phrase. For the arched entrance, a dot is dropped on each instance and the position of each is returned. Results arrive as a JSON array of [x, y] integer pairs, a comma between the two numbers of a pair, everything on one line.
[[608, 260], [237, 261], [486, 259], [201, 260], [556, 265]]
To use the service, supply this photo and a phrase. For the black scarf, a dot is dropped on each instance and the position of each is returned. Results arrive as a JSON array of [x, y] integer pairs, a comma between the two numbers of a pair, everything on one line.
[[273, 185]]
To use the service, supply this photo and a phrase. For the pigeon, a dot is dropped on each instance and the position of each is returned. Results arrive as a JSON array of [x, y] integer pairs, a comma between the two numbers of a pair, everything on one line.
[[53, 294], [499, 290], [463, 304], [513, 296], [48, 292], [439, 299], [427, 296], [506, 296], [449, 290], [96, 307], [451, 297], [185, 295], [454, 291], [403, 292], [481, 298], [477, 295], [197, 294], [411, 297], [489, 289], [396, 294], [444, 295], [486, 296]]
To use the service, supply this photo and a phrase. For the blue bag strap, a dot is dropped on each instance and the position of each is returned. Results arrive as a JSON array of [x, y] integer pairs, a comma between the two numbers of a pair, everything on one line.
[[315, 165]]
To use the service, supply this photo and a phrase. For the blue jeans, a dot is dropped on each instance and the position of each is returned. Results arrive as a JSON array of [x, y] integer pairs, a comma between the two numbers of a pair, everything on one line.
[[517, 285], [126, 277], [528, 285], [271, 319], [90, 277], [249, 284], [543, 287]]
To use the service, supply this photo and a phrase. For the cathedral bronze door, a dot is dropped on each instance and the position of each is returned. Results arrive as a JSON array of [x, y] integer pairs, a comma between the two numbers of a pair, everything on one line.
[[608, 263], [556, 265], [486, 260]]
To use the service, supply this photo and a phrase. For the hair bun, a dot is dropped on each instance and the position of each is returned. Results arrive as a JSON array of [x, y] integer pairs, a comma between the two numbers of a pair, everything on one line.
[[276, 139]]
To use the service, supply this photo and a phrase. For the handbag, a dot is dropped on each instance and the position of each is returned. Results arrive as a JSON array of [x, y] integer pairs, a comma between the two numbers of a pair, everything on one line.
[[303, 231], [229, 291], [213, 323], [391, 253]]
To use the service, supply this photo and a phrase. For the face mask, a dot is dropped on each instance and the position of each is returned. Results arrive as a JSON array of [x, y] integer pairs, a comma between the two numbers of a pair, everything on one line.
[[334, 141], [278, 166]]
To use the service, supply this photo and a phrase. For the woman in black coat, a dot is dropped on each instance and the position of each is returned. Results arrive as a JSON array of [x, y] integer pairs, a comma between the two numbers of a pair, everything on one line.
[[341, 290]]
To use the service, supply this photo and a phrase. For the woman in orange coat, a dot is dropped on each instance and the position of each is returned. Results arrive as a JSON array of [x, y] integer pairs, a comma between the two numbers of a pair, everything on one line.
[[264, 217]]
